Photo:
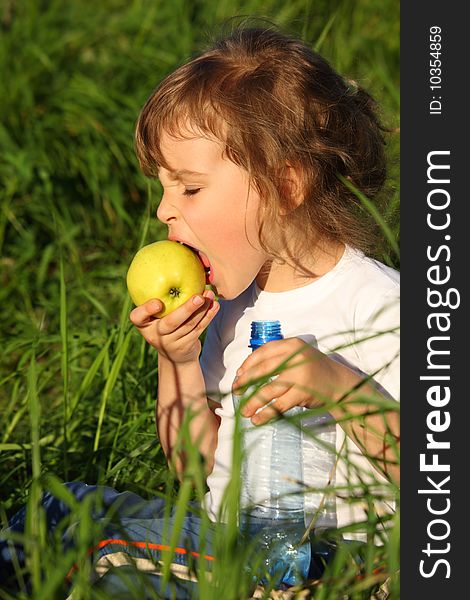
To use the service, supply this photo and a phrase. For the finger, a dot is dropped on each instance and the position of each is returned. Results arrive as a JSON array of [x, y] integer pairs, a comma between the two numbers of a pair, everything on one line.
[[199, 314], [208, 316], [255, 371], [146, 313], [208, 294], [278, 406], [282, 349], [197, 322], [266, 394], [180, 315], [287, 348]]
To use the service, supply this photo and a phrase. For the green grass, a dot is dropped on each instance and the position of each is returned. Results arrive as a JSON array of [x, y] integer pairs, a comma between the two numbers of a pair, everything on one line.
[[78, 384]]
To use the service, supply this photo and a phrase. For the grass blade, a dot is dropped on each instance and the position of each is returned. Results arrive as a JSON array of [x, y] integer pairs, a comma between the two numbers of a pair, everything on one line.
[[64, 360], [110, 383]]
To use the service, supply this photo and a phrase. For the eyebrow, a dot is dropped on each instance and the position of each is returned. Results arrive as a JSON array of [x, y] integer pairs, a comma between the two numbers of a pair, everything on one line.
[[182, 172]]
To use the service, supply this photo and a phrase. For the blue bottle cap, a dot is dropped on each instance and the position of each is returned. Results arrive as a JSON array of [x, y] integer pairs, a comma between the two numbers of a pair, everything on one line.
[[263, 332]]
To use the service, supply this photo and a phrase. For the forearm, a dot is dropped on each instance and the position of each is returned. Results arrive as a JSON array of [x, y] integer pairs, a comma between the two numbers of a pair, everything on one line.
[[181, 389], [375, 431]]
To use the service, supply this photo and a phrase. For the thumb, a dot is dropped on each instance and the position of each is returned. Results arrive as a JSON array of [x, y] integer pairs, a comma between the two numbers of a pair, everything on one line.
[[146, 313]]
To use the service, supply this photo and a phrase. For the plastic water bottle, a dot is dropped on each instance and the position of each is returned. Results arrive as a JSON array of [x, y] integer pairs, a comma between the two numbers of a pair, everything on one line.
[[272, 498]]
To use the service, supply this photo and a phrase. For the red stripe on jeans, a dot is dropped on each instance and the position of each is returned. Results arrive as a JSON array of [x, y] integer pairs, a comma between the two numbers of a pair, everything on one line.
[[143, 545]]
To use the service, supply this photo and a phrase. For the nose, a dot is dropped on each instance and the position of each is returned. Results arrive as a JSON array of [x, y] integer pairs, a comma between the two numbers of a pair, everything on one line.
[[166, 211]]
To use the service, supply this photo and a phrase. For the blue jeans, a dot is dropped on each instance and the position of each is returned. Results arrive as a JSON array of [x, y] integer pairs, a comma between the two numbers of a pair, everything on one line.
[[134, 537]]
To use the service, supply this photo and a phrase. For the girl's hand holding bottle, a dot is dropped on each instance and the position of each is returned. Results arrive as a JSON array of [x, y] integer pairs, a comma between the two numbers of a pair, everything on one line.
[[304, 377], [307, 377], [176, 336]]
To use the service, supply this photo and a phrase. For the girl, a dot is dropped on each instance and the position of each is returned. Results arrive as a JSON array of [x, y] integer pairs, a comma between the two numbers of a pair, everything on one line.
[[257, 143], [253, 141]]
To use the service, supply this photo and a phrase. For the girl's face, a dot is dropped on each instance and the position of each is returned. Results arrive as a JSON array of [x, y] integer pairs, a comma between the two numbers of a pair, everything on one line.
[[209, 204]]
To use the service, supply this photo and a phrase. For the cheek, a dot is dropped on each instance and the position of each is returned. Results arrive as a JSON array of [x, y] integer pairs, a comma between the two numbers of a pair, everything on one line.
[[243, 224], [238, 240], [228, 243], [227, 227]]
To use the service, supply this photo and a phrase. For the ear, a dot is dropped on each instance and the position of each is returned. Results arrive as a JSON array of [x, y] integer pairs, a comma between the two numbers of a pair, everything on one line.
[[292, 188]]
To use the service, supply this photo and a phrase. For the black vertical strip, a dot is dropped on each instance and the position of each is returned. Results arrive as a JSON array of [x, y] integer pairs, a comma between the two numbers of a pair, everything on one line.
[[434, 341]]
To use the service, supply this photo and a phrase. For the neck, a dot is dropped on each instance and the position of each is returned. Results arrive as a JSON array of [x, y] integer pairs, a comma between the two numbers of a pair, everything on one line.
[[283, 275]]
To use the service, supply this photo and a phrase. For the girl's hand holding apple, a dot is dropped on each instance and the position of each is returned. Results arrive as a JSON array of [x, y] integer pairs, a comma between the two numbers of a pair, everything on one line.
[[167, 280], [176, 336]]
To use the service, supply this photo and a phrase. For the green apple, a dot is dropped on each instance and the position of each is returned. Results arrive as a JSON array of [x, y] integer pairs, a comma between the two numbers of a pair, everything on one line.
[[168, 271]]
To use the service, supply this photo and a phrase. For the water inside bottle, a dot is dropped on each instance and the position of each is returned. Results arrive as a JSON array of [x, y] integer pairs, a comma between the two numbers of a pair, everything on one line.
[[286, 561]]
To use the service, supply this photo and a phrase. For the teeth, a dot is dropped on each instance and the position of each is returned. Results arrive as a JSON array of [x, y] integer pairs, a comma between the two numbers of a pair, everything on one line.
[[188, 246]]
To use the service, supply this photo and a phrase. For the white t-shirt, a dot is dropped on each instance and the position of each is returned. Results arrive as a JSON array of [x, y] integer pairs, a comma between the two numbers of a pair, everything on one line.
[[352, 314]]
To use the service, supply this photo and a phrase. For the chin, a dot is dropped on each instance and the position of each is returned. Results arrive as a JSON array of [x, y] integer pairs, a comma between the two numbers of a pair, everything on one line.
[[231, 293]]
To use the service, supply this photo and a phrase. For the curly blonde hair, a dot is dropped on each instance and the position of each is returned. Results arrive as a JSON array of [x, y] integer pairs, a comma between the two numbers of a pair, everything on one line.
[[275, 102]]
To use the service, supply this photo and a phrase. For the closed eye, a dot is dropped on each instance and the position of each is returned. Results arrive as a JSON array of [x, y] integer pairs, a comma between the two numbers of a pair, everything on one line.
[[191, 191]]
